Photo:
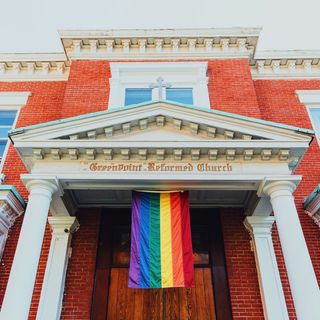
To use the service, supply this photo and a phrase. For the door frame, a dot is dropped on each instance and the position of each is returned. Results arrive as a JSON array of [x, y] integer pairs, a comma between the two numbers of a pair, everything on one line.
[[222, 302]]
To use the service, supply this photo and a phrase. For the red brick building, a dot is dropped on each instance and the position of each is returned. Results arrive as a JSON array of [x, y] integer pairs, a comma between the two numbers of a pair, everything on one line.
[[195, 110]]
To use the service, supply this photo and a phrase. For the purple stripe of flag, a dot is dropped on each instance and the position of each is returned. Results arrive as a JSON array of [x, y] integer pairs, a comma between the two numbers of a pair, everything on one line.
[[134, 272]]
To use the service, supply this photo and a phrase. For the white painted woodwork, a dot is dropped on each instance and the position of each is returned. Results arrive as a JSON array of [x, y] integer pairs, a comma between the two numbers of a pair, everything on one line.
[[17, 299], [273, 301], [51, 297], [142, 74], [302, 279]]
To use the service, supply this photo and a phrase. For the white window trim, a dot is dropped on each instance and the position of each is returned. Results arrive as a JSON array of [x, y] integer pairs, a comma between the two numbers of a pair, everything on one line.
[[141, 74], [311, 99], [11, 101]]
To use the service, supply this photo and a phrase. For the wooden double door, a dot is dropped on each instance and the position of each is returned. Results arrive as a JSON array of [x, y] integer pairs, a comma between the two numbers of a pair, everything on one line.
[[113, 300]]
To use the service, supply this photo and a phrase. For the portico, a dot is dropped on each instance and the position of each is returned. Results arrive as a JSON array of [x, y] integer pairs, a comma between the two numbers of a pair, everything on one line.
[[224, 160]]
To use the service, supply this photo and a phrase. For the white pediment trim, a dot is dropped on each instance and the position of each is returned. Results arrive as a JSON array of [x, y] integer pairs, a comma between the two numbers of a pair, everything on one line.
[[162, 131], [171, 112]]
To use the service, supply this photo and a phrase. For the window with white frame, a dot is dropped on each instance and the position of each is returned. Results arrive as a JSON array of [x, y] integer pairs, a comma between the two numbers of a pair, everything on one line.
[[138, 82], [10, 104], [311, 99], [315, 119], [7, 119]]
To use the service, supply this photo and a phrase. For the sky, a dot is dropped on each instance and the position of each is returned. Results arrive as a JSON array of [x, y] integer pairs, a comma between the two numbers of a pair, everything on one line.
[[32, 25]]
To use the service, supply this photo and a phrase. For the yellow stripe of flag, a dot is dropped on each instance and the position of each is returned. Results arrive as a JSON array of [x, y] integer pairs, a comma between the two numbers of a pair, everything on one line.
[[165, 240]]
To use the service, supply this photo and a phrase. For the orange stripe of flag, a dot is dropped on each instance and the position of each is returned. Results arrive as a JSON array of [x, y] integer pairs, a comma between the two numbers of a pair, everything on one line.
[[177, 248]]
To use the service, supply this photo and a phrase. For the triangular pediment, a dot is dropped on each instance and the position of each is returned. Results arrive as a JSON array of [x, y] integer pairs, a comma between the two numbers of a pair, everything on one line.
[[165, 116], [161, 128]]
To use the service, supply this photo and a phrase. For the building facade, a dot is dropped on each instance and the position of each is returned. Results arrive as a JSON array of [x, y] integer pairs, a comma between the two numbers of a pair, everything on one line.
[[160, 110]]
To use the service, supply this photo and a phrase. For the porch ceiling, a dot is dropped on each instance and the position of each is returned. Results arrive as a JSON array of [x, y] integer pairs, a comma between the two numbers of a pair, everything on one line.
[[122, 198]]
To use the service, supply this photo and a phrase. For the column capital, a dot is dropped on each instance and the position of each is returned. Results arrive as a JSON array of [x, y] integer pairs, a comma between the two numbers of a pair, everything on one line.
[[282, 186], [259, 225], [48, 183], [277, 188], [63, 224]]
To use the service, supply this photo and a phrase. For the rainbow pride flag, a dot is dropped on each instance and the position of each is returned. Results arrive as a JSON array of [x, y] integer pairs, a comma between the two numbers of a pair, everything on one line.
[[161, 247]]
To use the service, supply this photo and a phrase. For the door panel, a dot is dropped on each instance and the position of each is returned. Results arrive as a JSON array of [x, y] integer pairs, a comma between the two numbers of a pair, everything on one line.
[[112, 299], [157, 304]]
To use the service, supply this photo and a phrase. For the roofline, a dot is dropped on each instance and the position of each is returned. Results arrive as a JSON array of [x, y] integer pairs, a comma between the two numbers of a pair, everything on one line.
[[183, 32], [311, 197], [191, 107], [5, 187]]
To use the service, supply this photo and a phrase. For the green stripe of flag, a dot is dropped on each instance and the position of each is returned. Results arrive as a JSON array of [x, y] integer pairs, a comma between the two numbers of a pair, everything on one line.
[[155, 264]]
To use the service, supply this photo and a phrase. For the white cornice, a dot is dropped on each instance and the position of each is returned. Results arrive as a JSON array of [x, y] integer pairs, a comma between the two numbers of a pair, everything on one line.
[[311, 98], [160, 44], [33, 67], [292, 64], [14, 99]]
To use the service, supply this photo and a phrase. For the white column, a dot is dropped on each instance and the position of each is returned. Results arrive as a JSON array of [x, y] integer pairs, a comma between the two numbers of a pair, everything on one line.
[[302, 279], [18, 295], [54, 279], [273, 301]]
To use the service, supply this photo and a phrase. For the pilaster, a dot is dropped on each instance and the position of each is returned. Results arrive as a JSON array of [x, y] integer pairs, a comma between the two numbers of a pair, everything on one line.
[[302, 279], [54, 280], [273, 301]]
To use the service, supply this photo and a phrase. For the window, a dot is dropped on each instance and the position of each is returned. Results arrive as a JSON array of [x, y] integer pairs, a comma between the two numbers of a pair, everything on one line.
[[135, 96], [137, 82], [182, 95], [315, 117], [7, 119]]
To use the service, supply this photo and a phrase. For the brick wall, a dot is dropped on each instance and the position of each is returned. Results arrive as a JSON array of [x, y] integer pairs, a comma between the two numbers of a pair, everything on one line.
[[81, 269], [241, 267], [231, 89]]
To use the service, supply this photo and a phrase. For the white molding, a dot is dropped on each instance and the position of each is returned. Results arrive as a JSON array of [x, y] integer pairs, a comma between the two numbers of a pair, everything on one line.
[[292, 64], [52, 292], [142, 74], [311, 99], [25, 264], [271, 143], [301, 275], [33, 67], [273, 301], [10, 209], [160, 44], [12, 100]]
